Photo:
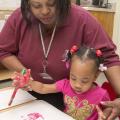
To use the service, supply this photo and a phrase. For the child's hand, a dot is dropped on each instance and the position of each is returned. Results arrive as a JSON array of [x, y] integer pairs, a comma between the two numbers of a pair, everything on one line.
[[101, 115], [21, 80], [16, 77], [35, 85]]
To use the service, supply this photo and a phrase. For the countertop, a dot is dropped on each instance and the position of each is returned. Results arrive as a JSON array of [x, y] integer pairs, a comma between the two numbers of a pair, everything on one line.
[[94, 8]]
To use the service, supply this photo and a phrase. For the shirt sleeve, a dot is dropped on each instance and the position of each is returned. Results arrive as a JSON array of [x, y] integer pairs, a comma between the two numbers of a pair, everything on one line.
[[9, 37], [61, 85], [95, 37], [106, 96]]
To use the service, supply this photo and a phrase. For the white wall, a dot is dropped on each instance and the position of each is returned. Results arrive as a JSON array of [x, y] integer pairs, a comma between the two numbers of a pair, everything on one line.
[[112, 1], [116, 30], [9, 4]]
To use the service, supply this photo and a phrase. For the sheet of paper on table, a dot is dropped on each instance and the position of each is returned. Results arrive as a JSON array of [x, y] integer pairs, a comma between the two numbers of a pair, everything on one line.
[[35, 110], [21, 97]]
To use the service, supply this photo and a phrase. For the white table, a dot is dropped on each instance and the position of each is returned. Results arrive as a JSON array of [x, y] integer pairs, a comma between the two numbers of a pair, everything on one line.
[[21, 110]]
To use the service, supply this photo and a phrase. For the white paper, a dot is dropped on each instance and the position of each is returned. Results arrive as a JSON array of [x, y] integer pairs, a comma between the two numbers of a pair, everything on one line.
[[47, 111], [20, 97]]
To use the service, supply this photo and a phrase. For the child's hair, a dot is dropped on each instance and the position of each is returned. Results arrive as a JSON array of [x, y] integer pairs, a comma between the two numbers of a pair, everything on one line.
[[86, 53]]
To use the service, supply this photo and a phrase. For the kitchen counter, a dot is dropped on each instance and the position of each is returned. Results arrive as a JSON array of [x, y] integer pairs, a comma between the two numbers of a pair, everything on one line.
[[2, 8], [92, 8]]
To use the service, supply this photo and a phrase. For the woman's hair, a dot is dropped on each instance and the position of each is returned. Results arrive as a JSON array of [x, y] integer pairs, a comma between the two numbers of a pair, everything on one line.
[[85, 53], [62, 6]]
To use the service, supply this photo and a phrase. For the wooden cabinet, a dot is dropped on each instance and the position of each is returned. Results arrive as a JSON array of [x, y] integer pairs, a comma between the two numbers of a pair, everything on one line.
[[4, 73], [106, 19], [104, 15]]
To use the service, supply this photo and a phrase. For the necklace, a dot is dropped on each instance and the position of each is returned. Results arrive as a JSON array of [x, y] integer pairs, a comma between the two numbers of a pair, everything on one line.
[[44, 74]]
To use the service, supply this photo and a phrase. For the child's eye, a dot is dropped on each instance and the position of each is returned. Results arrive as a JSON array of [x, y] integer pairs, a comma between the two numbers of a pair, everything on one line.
[[73, 78], [84, 81]]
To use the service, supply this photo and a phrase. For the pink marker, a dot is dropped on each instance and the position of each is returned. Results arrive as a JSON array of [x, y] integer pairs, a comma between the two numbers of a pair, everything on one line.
[[13, 96]]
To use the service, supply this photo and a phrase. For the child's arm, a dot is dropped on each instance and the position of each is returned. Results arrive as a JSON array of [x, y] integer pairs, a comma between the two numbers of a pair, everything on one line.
[[103, 115], [42, 88], [25, 82]]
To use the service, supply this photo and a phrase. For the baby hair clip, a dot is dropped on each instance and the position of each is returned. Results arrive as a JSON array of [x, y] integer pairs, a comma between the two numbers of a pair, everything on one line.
[[102, 68], [68, 53], [73, 49], [65, 56]]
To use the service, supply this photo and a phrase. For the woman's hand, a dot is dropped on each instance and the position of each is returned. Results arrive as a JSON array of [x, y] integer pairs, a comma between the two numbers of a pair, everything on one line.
[[115, 108], [101, 115]]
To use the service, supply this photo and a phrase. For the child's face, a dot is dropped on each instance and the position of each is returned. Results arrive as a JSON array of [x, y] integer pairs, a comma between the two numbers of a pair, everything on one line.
[[82, 74]]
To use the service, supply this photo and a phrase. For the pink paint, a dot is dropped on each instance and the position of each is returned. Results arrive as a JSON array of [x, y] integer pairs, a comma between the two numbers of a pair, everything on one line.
[[33, 116], [21, 79]]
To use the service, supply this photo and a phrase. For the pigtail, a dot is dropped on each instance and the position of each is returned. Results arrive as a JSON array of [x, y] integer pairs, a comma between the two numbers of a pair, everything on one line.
[[101, 60], [85, 53]]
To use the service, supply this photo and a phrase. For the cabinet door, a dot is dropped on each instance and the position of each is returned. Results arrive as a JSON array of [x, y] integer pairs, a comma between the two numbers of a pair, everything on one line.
[[106, 19]]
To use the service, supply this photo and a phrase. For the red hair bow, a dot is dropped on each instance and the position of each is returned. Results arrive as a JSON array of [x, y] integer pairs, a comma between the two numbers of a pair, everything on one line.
[[73, 49], [99, 53]]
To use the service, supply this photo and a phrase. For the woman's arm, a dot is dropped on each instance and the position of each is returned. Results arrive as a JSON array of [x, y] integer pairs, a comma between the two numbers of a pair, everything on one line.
[[42, 88], [103, 114], [12, 63], [113, 75], [10, 42]]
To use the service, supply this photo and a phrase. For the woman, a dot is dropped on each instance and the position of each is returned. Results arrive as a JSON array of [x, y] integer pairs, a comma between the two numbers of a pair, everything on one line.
[[37, 35]]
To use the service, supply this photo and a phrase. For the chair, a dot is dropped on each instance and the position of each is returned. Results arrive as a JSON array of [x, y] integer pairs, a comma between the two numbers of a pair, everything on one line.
[[106, 85]]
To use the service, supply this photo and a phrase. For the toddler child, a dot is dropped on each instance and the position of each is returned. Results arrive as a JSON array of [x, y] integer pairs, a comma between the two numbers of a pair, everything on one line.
[[82, 96]]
